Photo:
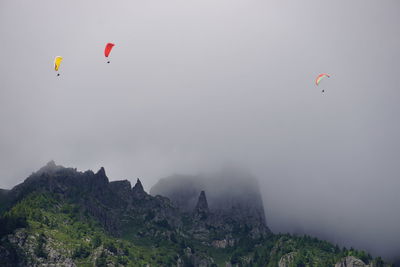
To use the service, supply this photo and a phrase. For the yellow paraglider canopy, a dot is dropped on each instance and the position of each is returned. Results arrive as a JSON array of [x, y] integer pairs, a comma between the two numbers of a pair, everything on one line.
[[57, 62]]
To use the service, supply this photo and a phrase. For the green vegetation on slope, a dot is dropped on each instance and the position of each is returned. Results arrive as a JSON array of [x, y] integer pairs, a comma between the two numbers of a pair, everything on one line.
[[78, 235], [58, 228]]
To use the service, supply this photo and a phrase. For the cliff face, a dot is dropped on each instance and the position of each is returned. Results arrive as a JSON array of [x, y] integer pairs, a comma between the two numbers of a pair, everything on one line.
[[230, 194]]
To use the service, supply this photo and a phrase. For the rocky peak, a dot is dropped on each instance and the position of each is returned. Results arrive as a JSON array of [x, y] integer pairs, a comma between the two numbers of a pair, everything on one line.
[[138, 191], [101, 172], [101, 176], [202, 205], [50, 168], [51, 164]]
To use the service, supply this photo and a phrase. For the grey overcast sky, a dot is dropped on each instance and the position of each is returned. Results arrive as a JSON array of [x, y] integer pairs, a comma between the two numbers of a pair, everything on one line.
[[195, 84]]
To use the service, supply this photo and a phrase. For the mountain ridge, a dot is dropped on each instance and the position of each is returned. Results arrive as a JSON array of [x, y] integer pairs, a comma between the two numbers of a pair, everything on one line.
[[62, 216]]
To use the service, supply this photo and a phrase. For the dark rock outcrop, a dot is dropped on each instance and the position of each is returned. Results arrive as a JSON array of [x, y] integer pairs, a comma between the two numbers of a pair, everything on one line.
[[202, 205], [232, 196], [121, 188], [138, 191]]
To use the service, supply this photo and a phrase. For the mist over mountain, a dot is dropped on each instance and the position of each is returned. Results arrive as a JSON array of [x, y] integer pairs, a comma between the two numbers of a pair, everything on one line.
[[228, 190], [61, 216]]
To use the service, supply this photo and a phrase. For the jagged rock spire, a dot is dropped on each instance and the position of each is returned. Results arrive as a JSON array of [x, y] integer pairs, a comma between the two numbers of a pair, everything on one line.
[[138, 186], [101, 179], [138, 191], [202, 205], [101, 172]]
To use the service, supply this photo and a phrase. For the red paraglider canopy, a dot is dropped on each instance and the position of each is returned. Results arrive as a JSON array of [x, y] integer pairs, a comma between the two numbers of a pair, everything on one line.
[[108, 48]]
